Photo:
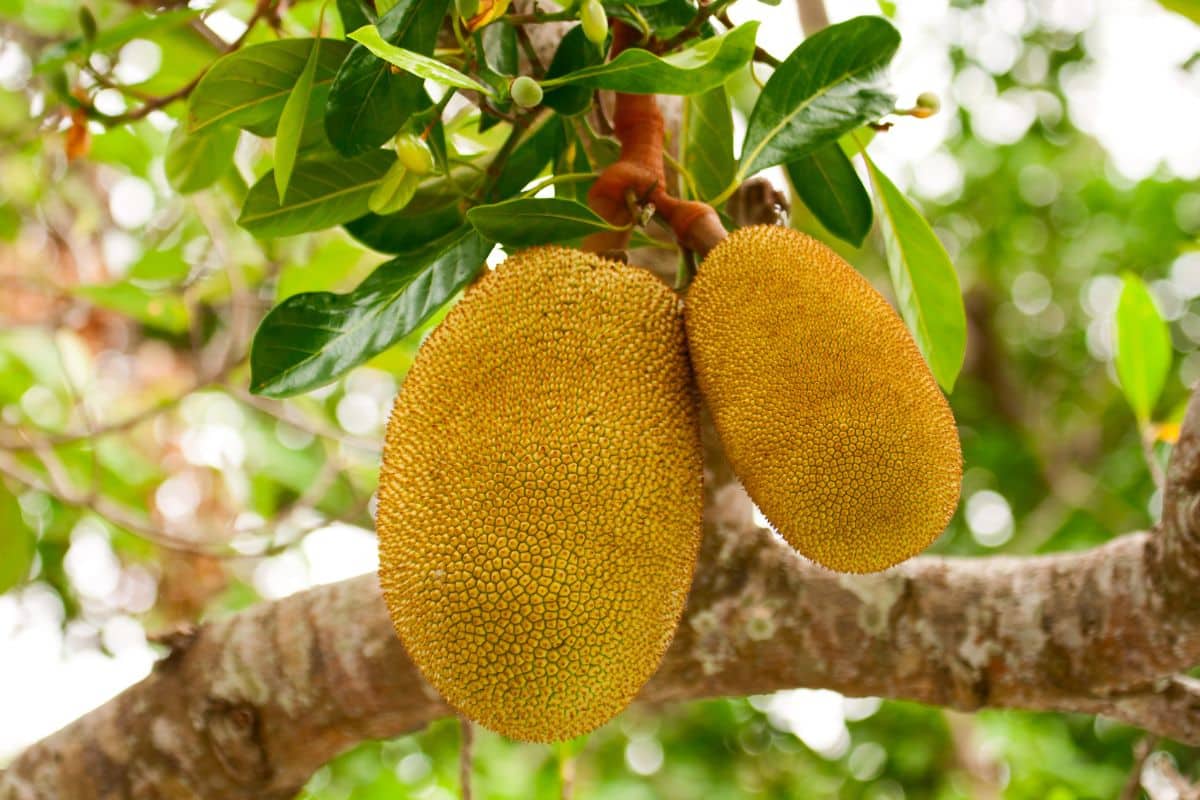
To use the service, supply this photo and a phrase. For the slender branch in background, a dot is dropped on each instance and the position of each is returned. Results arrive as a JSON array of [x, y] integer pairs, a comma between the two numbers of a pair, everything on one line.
[[466, 757], [289, 413], [813, 16], [1141, 752], [262, 9], [531, 54]]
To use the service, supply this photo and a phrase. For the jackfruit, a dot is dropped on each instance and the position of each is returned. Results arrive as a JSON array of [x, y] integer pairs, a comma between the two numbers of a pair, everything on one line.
[[823, 403], [540, 499]]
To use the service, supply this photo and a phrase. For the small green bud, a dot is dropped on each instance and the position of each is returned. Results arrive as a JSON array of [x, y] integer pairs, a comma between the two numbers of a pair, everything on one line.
[[929, 101], [525, 92], [395, 190], [595, 22], [413, 153]]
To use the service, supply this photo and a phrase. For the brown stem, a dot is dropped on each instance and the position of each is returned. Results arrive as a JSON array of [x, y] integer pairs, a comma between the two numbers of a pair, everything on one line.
[[639, 173]]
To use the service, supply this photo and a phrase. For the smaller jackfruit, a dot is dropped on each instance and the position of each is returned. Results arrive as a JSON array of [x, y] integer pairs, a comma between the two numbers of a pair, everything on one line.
[[825, 407], [540, 494]]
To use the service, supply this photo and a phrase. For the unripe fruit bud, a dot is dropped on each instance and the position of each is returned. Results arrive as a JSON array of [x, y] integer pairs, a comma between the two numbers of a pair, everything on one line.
[[414, 154], [929, 101], [526, 92], [595, 22], [395, 190]]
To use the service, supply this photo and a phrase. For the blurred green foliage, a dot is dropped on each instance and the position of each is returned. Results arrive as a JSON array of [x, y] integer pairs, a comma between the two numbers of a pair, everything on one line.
[[1039, 231]]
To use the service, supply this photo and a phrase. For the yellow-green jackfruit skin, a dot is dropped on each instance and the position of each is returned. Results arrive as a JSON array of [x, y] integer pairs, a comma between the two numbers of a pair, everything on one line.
[[825, 407], [540, 499]]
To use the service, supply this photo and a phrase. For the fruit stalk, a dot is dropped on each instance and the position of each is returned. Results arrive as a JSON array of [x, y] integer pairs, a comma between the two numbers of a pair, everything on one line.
[[638, 177]]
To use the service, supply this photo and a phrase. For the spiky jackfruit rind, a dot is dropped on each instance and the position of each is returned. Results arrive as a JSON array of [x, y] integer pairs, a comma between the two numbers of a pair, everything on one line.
[[824, 405], [540, 497]]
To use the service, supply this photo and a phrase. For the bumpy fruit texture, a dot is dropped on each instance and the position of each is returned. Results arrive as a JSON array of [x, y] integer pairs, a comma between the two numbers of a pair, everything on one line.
[[540, 495], [824, 405]]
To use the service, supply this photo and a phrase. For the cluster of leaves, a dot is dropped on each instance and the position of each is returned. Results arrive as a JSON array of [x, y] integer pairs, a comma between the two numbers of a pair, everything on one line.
[[333, 105]]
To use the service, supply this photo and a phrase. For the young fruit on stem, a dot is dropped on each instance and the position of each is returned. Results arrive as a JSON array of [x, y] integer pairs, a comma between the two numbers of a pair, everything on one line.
[[595, 22], [525, 92]]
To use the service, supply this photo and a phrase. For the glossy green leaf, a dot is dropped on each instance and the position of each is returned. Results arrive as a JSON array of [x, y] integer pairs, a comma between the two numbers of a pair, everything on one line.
[[500, 49], [574, 53], [422, 66], [355, 14], [708, 142], [311, 339], [701, 66], [832, 83], [249, 88], [321, 193], [1187, 8], [162, 310], [369, 101], [195, 161], [530, 221], [16, 543], [1143, 348], [539, 147], [399, 233], [291, 121], [665, 18], [827, 183], [925, 282]]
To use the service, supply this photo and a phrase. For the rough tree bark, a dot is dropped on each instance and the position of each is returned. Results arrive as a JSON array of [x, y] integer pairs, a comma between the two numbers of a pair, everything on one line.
[[250, 706]]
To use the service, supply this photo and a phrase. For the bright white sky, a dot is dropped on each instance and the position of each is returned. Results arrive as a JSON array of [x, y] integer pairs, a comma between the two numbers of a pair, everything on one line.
[[1136, 100]]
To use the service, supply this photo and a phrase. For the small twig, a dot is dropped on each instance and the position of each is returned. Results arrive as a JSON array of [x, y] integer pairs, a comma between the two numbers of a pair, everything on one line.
[[535, 62], [465, 757], [692, 29], [261, 10], [1141, 752]]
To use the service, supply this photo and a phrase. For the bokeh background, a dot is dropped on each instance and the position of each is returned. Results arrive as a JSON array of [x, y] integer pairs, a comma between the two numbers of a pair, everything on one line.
[[141, 486]]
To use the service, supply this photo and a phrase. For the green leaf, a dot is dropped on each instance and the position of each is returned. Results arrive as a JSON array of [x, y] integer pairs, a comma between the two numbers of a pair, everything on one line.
[[574, 53], [708, 142], [539, 147], [195, 161], [1187, 8], [17, 546], [355, 14], [422, 66], [827, 183], [311, 339], [369, 101], [248, 88], [1143, 351], [703, 65], [156, 309], [499, 45], [829, 85], [291, 121], [399, 233], [529, 221], [924, 279], [321, 193]]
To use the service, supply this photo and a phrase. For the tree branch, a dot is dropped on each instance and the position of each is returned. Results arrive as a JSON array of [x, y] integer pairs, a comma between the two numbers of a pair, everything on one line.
[[251, 705]]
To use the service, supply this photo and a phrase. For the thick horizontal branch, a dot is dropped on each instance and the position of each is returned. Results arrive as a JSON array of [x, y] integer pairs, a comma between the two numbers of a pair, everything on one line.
[[250, 706]]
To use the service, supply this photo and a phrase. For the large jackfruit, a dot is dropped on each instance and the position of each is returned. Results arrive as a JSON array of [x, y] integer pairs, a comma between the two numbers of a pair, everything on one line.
[[540, 495], [825, 407]]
